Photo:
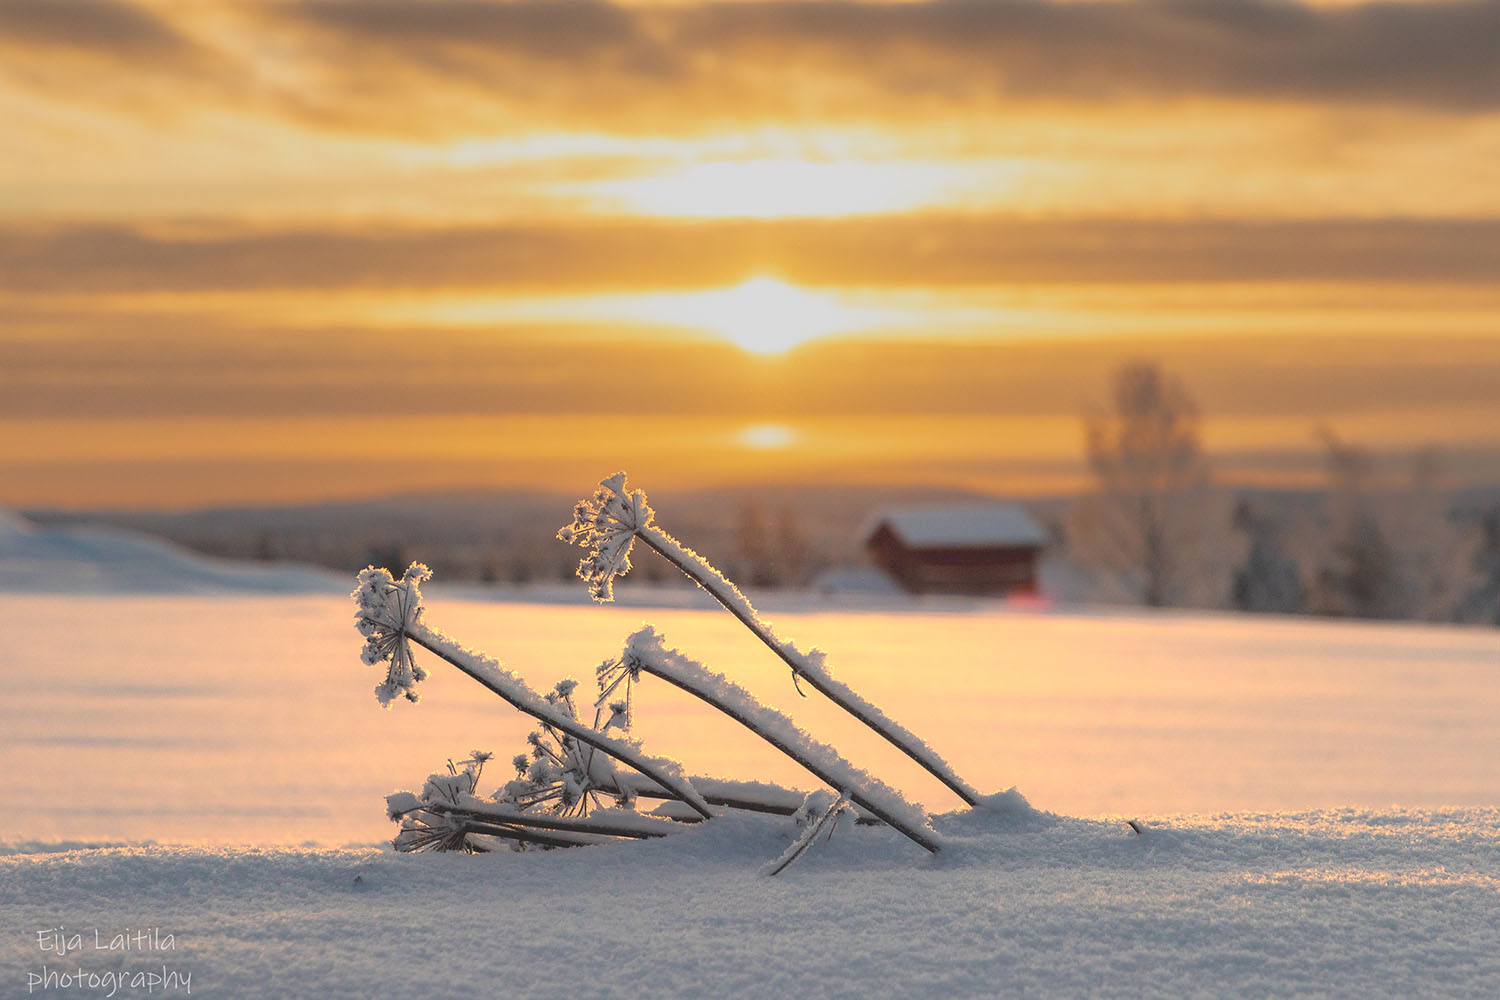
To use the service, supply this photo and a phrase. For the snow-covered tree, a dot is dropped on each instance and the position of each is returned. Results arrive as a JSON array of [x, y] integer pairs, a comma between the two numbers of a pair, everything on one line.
[[1268, 580], [1429, 542], [1359, 577], [1481, 602], [771, 553], [753, 549], [1145, 518]]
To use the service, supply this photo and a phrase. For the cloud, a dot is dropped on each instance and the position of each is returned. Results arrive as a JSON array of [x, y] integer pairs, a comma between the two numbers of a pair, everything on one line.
[[113, 28], [555, 29], [831, 57], [114, 54], [175, 370], [80, 260], [446, 67]]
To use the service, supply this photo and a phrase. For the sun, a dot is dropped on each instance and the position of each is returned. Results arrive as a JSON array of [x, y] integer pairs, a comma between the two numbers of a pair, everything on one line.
[[766, 437], [772, 187], [761, 314]]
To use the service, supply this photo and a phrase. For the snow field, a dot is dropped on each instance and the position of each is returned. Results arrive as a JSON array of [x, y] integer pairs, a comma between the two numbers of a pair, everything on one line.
[[1346, 903]]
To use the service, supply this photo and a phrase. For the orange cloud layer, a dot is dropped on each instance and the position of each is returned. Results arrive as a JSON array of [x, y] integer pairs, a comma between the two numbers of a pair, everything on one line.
[[441, 65]]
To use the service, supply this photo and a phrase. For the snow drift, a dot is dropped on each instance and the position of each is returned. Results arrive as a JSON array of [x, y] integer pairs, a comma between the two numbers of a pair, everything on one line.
[[98, 560]]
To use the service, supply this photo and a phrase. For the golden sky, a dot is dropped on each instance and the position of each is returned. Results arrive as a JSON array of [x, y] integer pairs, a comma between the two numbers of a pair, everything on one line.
[[290, 249]]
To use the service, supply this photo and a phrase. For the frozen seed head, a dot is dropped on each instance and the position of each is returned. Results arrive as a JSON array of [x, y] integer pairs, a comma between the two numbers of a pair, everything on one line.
[[605, 525], [432, 831], [387, 610], [447, 789]]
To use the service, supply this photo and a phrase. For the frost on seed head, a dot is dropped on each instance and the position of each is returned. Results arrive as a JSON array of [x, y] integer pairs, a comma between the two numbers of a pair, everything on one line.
[[605, 525], [387, 610]]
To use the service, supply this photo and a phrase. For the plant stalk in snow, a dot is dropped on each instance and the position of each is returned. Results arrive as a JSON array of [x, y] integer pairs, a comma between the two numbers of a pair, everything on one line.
[[441, 831], [390, 618], [606, 524], [828, 820], [631, 827], [750, 796], [646, 653]]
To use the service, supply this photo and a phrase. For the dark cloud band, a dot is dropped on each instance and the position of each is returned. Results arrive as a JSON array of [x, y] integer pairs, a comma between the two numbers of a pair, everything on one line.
[[417, 68], [900, 250], [1420, 53], [114, 27]]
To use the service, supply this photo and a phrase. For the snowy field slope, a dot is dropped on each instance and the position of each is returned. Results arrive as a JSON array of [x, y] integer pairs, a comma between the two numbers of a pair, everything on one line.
[[1346, 903], [98, 560], [1320, 802]]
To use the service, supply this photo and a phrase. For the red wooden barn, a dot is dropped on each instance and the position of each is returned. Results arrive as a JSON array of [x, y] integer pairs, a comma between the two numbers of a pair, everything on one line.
[[971, 549]]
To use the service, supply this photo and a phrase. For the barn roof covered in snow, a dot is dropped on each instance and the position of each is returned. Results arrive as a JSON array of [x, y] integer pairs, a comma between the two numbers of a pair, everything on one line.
[[990, 525]]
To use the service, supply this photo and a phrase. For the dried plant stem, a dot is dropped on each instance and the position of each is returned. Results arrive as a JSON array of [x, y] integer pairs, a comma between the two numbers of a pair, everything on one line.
[[748, 796], [618, 750], [718, 792], [627, 825], [530, 836], [639, 828], [801, 844], [917, 835], [735, 603], [446, 835]]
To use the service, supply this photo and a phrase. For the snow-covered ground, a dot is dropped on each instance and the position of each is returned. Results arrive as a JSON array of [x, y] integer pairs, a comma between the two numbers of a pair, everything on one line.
[[1348, 903], [1319, 800]]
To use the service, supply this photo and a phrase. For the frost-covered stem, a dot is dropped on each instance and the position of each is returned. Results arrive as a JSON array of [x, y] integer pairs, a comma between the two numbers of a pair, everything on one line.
[[924, 840], [635, 828], [718, 792], [724, 801], [773, 807], [695, 568], [801, 844], [532, 837], [646, 653], [430, 839], [536, 707]]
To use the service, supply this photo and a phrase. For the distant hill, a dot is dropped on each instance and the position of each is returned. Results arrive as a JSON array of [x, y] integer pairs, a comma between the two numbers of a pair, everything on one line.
[[508, 537], [763, 537], [92, 559]]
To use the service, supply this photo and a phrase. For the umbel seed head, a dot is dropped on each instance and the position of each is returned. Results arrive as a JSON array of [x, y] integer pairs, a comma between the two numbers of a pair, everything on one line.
[[605, 526], [387, 609]]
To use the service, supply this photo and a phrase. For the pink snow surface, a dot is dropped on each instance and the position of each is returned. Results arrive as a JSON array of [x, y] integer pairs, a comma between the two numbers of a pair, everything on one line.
[[1020, 903]]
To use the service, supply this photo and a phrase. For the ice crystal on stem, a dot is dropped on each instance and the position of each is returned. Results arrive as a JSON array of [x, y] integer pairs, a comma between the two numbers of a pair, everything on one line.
[[424, 826], [388, 609], [562, 774], [605, 525]]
